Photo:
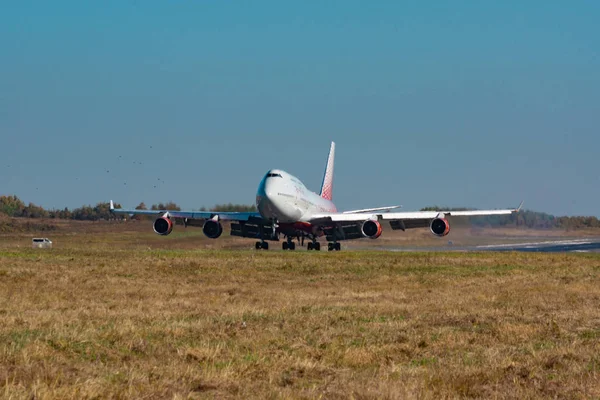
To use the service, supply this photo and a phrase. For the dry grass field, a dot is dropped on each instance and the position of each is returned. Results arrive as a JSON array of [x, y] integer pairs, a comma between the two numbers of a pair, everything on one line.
[[120, 315]]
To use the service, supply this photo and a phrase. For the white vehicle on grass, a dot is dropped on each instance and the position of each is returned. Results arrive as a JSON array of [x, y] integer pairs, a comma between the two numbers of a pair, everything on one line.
[[41, 243]]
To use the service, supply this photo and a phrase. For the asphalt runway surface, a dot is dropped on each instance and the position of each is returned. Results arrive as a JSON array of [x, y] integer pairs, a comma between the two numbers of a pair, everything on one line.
[[583, 245], [553, 246]]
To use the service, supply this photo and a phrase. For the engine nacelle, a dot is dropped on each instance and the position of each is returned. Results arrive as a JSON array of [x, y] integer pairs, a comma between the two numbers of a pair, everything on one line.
[[163, 226], [440, 227], [371, 229], [212, 228]]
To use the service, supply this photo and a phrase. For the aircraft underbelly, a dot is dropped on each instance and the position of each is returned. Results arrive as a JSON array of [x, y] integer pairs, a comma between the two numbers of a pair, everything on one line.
[[281, 211]]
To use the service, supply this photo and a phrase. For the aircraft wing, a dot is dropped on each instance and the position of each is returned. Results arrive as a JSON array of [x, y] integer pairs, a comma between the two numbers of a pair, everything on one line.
[[221, 215], [368, 210], [344, 226], [404, 215]]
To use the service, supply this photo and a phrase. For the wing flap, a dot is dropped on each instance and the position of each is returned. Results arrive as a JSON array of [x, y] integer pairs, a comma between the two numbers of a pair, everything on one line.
[[253, 230], [368, 210], [342, 231], [404, 224]]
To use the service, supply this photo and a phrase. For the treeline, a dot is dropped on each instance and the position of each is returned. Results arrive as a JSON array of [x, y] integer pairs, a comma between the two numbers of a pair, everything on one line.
[[524, 218], [233, 208], [12, 206]]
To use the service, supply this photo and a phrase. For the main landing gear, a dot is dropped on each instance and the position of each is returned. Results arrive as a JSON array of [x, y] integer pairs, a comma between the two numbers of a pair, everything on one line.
[[334, 246], [314, 246], [261, 245], [288, 245]]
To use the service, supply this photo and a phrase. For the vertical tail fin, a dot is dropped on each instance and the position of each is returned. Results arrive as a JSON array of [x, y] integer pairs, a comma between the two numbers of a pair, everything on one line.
[[327, 186]]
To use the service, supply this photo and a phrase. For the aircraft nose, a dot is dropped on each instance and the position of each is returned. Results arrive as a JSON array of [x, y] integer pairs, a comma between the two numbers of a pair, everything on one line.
[[270, 195], [269, 188], [261, 194], [266, 198], [273, 202]]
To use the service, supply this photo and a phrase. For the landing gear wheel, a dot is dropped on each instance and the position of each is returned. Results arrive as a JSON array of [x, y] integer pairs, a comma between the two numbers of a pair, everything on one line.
[[317, 246], [257, 246], [292, 246], [284, 245], [264, 245], [334, 246], [309, 246]]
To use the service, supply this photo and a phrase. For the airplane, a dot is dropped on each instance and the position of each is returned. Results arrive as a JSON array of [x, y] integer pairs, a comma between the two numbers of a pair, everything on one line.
[[287, 208]]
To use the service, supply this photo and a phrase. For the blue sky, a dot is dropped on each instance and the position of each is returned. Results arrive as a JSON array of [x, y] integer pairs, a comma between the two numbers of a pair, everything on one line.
[[458, 103]]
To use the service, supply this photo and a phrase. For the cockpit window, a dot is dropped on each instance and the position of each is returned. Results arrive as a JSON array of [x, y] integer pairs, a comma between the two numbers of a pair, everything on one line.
[[274, 175]]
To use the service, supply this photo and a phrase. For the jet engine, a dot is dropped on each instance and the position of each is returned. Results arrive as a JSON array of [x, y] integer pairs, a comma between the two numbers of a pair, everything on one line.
[[212, 228], [371, 229], [440, 227], [163, 226]]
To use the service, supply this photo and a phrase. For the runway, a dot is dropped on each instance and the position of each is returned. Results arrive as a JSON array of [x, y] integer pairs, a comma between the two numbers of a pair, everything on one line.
[[584, 245], [555, 246]]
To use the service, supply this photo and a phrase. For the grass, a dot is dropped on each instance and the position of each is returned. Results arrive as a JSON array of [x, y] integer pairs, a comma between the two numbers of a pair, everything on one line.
[[107, 321]]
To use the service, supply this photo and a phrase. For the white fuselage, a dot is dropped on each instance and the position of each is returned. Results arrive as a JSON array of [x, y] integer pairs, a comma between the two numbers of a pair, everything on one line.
[[284, 198]]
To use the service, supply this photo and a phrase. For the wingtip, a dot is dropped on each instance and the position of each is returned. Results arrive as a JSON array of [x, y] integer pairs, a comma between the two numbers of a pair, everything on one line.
[[112, 205]]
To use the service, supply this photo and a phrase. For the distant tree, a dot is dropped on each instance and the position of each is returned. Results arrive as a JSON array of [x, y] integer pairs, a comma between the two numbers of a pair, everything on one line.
[[62, 214], [11, 206], [102, 211], [230, 207], [83, 213], [438, 208], [141, 206], [33, 211], [166, 206]]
